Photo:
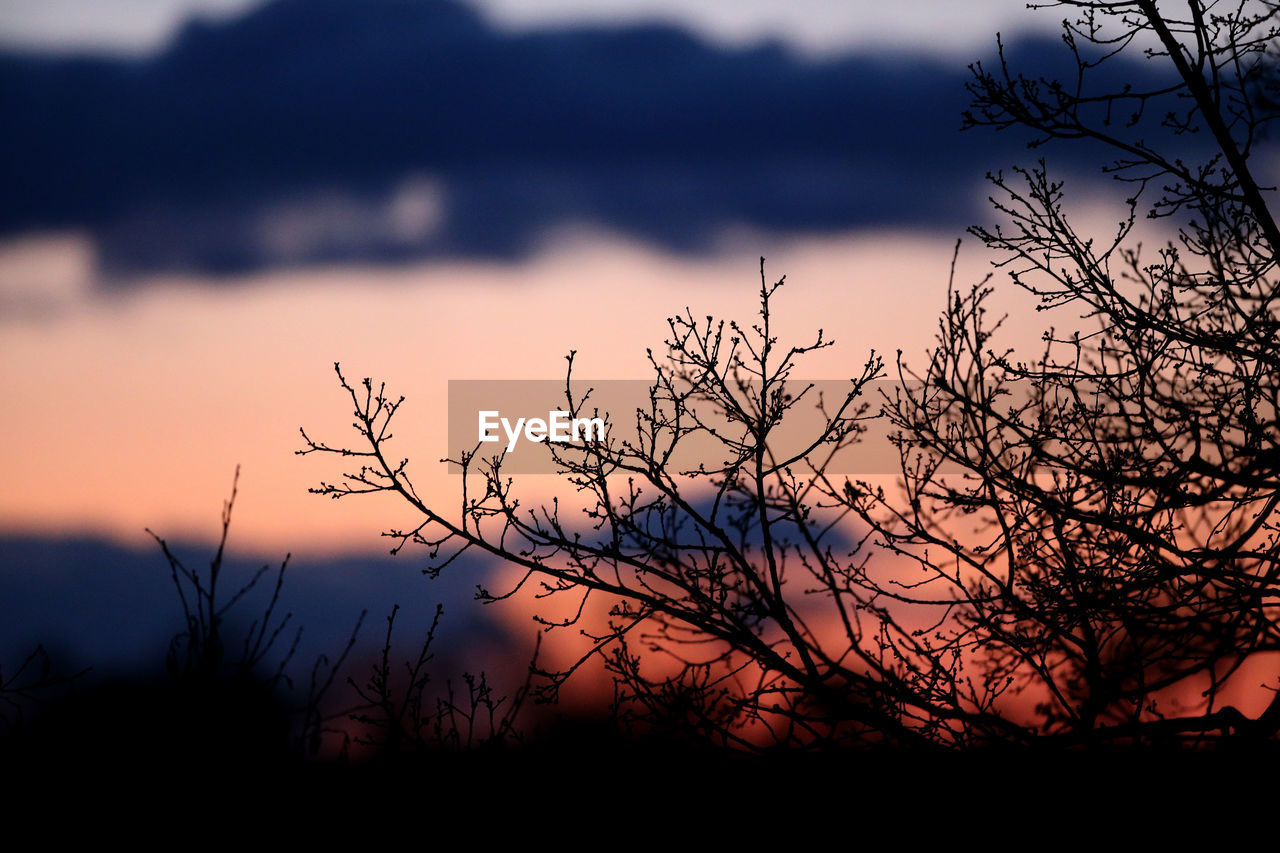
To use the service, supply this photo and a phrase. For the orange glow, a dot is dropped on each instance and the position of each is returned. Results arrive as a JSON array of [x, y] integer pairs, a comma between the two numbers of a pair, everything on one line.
[[129, 409]]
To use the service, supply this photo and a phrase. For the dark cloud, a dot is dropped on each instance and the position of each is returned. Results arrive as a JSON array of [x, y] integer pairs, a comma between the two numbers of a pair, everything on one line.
[[315, 130], [95, 603]]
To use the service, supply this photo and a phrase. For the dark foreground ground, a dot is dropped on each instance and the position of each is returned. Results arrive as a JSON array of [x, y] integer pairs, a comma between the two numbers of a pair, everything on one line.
[[128, 756], [151, 752]]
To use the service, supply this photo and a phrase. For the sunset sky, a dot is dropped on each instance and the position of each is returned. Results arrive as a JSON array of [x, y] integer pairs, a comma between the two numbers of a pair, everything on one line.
[[201, 218], [134, 390]]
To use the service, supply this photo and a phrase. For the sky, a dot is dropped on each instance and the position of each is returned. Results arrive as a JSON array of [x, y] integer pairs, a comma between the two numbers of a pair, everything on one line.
[[812, 26], [166, 318], [201, 220]]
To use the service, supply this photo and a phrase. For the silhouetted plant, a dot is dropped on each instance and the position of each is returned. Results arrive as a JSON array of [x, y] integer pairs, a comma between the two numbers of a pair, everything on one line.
[[400, 716], [1109, 548], [394, 719], [1112, 546], [26, 687], [220, 657], [714, 568], [201, 651]]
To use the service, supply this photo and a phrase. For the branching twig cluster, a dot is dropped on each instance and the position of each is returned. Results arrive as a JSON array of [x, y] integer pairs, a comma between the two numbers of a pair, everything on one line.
[[1105, 563]]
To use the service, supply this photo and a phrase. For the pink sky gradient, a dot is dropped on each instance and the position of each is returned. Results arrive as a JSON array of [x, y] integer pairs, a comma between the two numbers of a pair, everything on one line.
[[132, 409]]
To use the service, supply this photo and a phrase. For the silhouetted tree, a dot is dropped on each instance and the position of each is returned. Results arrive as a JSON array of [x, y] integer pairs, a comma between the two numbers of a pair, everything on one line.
[[705, 566], [1111, 546], [1106, 557]]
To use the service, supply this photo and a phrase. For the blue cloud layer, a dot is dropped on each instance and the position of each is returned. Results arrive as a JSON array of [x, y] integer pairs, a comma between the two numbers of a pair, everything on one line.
[[290, 134]]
